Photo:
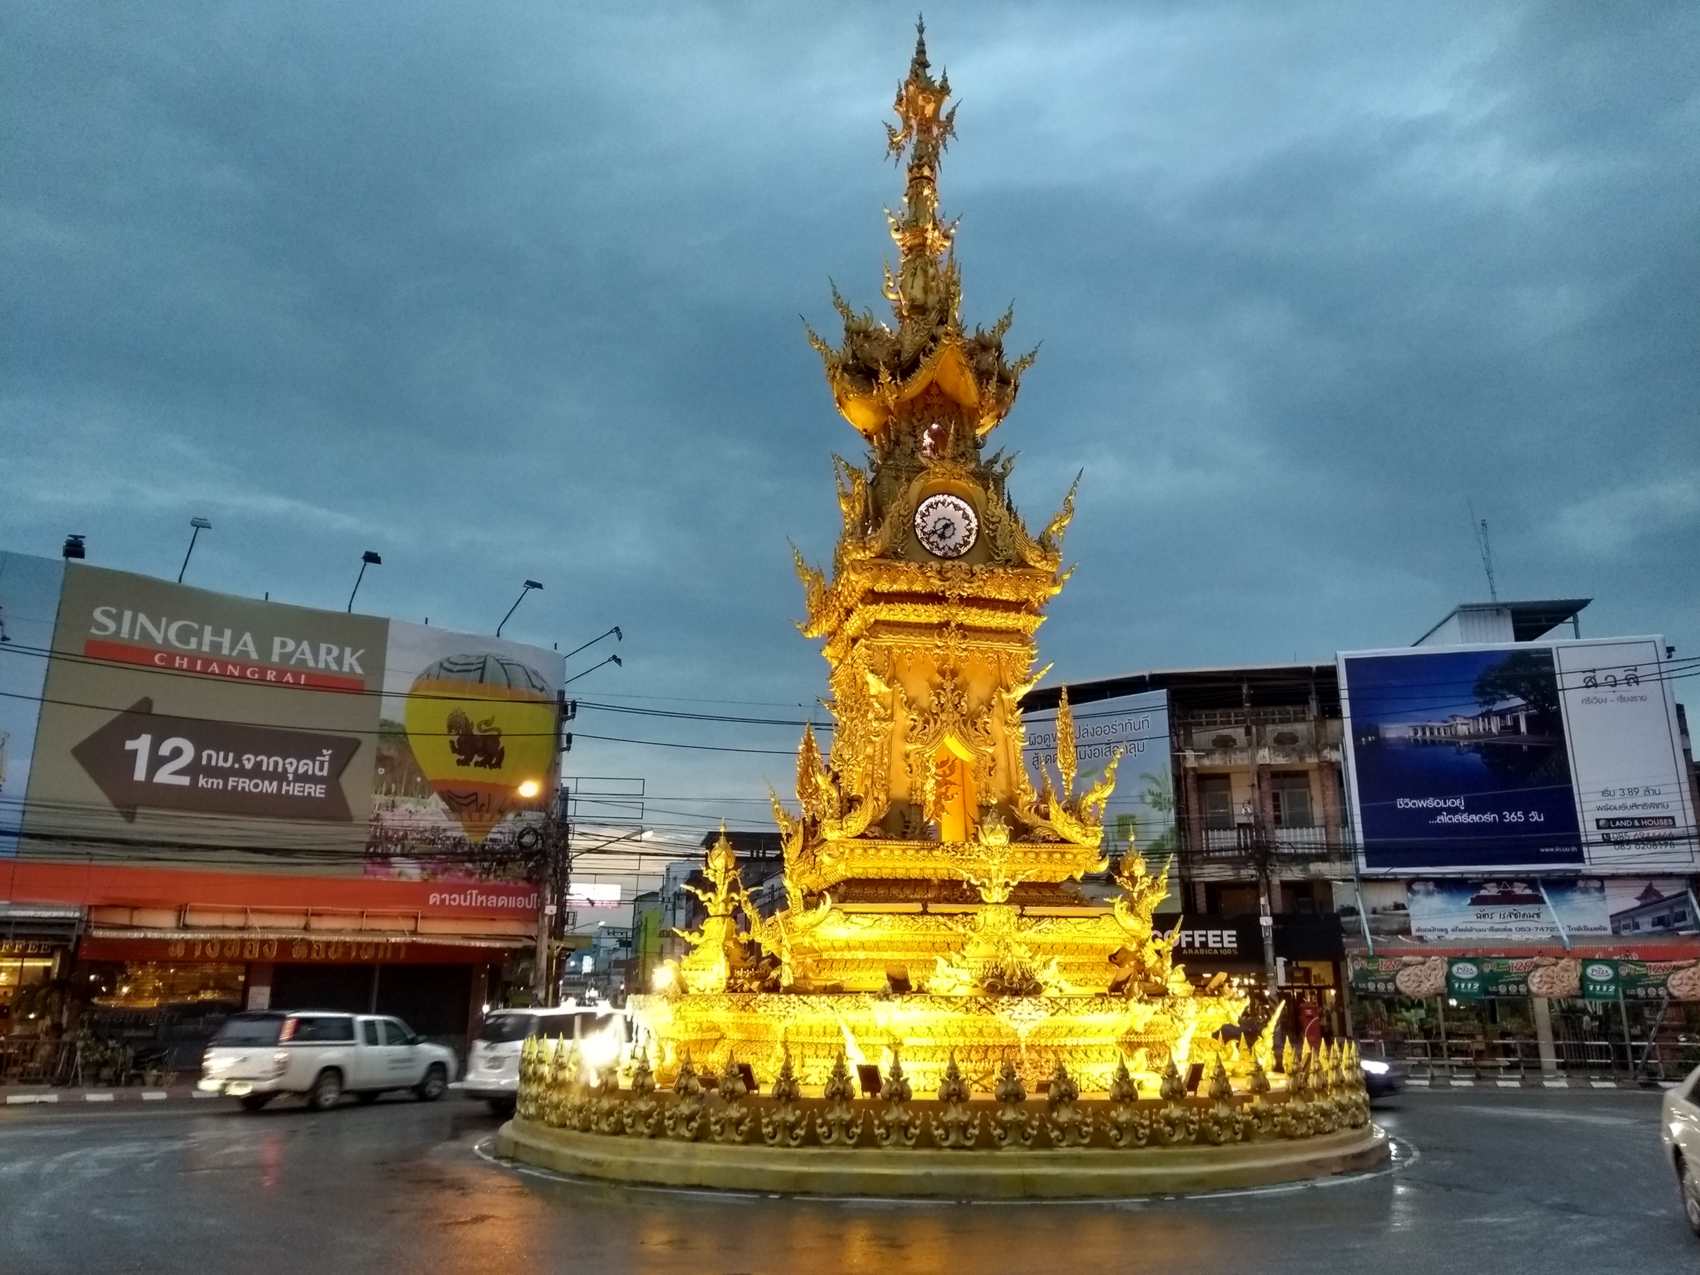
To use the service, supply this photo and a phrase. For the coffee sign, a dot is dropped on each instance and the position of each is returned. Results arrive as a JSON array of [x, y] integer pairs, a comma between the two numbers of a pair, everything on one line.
[[1205, 939]]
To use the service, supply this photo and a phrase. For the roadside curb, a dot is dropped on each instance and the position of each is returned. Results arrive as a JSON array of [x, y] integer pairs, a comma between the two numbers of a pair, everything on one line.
[[129, 1096], [1538, 1082]]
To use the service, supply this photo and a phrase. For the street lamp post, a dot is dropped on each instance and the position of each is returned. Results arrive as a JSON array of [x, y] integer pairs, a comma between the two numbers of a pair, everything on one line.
[[615, 660], [529, 586], [367, 559], [199, 524], [615, 632]]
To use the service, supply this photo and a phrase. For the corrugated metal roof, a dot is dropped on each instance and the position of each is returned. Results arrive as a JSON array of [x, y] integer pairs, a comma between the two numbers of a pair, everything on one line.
[[1530, 620]]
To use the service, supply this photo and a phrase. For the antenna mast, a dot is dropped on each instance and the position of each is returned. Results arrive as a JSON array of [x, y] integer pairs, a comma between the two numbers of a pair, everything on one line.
[[1479, 529]]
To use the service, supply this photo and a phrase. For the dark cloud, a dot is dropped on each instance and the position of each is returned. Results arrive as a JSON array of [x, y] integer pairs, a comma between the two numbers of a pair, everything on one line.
[[509, 291]]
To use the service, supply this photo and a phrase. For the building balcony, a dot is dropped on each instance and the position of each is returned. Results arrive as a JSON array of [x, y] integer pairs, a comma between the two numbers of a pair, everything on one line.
[[1283, 844], [1219, 744]]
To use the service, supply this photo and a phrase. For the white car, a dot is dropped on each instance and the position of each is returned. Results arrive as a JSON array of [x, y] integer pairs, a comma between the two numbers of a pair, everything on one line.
[[492, 1065], [1679, 1130], [319, 1056]]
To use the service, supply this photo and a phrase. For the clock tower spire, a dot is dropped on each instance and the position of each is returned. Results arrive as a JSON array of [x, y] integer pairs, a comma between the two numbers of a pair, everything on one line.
[[936, 590]]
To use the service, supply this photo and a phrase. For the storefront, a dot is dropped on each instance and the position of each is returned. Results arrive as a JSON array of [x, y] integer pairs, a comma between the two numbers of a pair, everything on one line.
[[167, 991], [1588, 1011], [35, 953], [1307, 962]]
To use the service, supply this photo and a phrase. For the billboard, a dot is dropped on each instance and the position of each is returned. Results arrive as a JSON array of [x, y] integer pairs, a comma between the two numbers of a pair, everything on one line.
[[1562, 755], [1141, 811], [1458, 911], [180, 726]]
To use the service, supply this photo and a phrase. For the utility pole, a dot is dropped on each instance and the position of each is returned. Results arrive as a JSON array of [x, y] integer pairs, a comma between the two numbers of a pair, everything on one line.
[[1260, 850], [555, 861]]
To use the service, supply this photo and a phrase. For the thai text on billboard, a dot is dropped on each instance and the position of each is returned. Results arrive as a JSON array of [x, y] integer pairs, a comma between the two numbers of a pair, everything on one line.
[[178, 726], [1141, 812], [1560, 755]]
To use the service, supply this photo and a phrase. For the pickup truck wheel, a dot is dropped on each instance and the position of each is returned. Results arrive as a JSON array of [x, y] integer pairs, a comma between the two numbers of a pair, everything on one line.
[[326, 1091], [1690, 1184], [254, 1101], [431, 1088]]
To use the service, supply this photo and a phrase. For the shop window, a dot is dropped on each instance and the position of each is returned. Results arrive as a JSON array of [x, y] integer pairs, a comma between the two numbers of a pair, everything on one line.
[[1299, 897], [20, 979], [1216, 797], [1230, 899], [1290, 796], [152, 984]]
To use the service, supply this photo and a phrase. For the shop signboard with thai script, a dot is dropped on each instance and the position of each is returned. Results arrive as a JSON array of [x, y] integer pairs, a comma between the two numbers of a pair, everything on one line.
[[1455, 911], [1375, 975], [1655, 980], [278, 950], [1606, 980]]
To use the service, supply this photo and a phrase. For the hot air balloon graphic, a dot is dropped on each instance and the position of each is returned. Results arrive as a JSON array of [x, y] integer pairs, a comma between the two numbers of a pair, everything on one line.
[[480, 725]]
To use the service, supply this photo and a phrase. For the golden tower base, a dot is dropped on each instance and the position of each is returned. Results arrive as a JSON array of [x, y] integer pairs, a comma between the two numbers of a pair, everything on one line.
[[1012, 1174]]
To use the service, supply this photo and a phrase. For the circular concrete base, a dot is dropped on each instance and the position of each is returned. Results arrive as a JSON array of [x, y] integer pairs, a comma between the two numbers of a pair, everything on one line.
[[944, 1175]]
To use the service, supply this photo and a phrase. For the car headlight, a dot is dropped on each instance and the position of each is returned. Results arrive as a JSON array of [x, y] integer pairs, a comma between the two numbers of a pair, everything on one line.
[[601, 1049], [1374, 1066]]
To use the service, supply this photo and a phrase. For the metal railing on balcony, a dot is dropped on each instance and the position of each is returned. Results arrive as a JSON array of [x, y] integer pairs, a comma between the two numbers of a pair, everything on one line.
[[1246, 842]]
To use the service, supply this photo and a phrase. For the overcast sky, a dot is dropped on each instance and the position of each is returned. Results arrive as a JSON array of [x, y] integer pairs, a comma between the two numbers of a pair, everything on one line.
[[513, 290]]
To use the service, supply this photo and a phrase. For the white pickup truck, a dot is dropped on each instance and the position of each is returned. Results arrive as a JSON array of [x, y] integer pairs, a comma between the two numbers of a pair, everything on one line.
[[319, 1055]]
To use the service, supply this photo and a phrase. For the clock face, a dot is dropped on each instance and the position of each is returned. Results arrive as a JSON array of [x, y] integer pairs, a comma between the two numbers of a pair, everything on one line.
[[946, 525]]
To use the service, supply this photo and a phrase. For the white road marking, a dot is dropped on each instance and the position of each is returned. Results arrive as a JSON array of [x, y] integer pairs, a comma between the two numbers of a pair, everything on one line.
[[97, 1097]]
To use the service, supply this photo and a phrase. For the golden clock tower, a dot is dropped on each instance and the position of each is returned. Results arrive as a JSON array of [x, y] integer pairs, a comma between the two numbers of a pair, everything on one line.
[[932, 897], [924, 805]]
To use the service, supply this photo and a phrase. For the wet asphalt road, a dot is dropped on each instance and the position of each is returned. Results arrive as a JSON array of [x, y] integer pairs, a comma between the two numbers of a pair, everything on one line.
[[1501, 1182]]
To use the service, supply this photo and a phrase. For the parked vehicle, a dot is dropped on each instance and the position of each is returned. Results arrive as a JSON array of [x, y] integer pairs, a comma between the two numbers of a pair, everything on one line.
[[1679, 1130], [320, 1056], [492, 1065], [1382, 1077]]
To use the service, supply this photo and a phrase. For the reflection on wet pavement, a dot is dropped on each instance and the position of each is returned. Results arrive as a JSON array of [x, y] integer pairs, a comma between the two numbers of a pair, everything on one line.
[[400, 1185]]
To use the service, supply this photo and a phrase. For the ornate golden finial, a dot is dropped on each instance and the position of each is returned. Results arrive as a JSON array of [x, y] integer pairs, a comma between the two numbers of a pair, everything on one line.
[[1068, 759], [878, 372], [926, 288]]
